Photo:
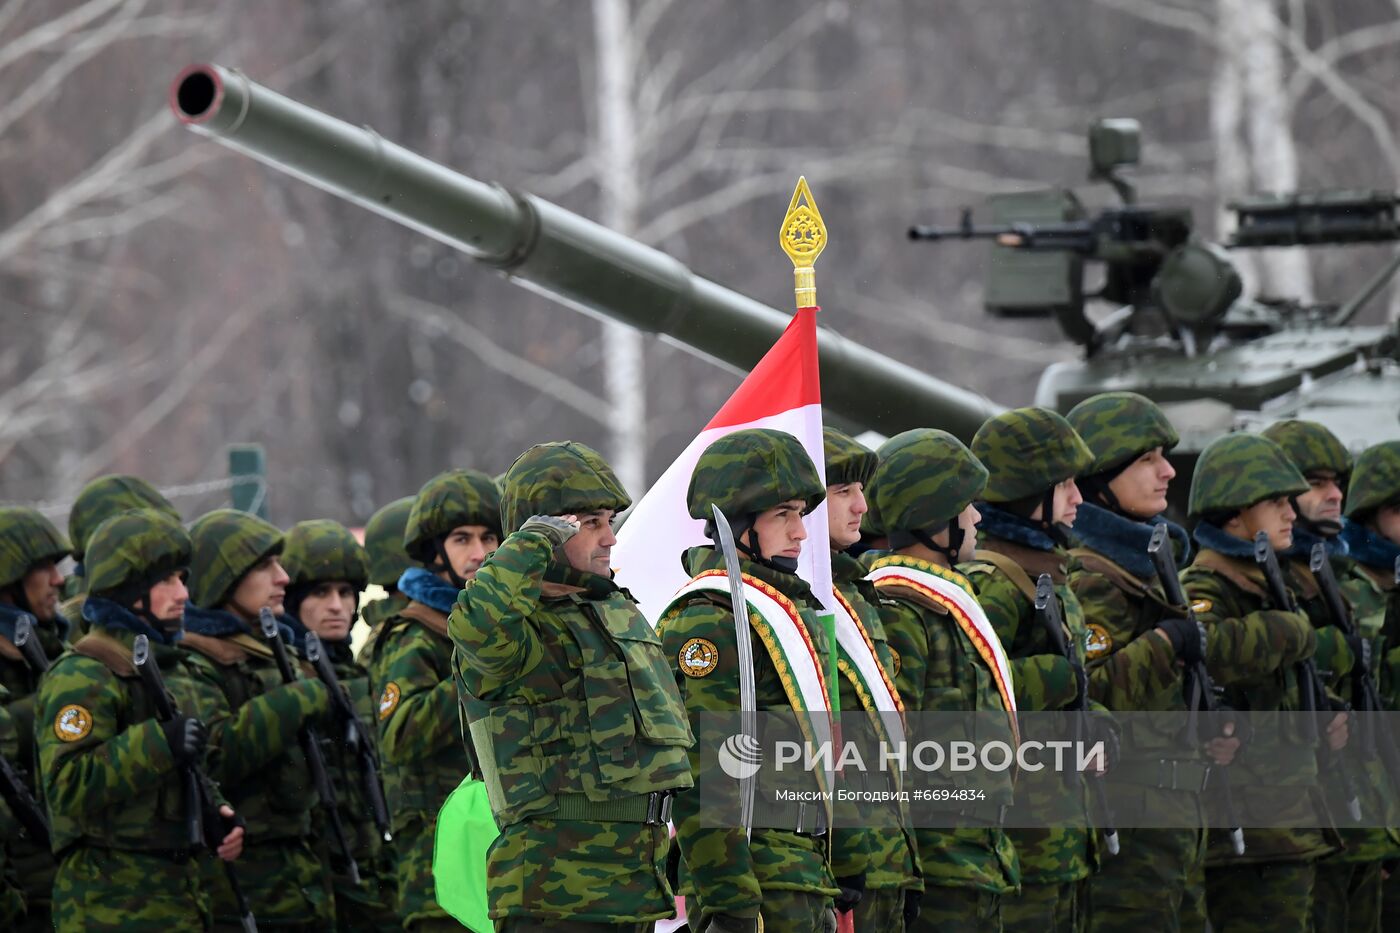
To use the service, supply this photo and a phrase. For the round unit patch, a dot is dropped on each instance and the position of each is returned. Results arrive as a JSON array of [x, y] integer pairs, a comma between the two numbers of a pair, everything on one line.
[[1201, 605], [1097, 641], [389, 700], [698, 657], [73, 723], [896, 662]]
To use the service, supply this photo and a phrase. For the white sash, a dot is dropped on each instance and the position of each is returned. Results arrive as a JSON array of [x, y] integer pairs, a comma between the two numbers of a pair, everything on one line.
[[869, 675], [969, 615]]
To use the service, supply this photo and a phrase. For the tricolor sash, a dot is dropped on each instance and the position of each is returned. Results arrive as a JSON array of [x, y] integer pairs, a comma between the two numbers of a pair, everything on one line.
[[779, 626], [860, 665], [953, 592]]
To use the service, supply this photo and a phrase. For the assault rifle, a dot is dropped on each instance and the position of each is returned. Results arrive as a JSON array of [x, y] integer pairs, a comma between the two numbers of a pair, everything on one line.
[[354, 732], [22, 803], [1047, 609], [1200, 690], [1313, 693], [1365, 698], [28, 644], [311, 747], [205, 824]]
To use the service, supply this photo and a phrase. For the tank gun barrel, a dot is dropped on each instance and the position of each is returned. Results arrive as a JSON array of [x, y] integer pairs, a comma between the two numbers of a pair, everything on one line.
[[553, 251]]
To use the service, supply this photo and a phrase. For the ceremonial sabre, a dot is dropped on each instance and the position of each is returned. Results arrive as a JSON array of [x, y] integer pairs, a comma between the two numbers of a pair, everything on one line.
[[743, 637]]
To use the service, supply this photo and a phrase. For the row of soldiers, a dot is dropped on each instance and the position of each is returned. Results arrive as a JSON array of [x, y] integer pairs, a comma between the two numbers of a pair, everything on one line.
[[507, 651]]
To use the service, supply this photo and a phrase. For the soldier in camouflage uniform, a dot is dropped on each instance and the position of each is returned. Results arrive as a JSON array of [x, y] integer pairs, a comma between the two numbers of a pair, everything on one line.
[[764, 482], [1136, 639], [1348, 891], [387, 562], [1372, 536], [328, 568], [98, 501], [890, 862], [112, 773], [11, 895], [1242, 485], [30, 582], [924, 488], [574, 712], [1033, 457], [256, 723], [453, 527]]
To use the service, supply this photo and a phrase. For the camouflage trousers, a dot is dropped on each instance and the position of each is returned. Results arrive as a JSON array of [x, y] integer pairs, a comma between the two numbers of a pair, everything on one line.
[[1148, 884], [1275, 897], [783, 911], [1047, 908], [528, 925], [881, 909], [1347, 897], [367, 907], [34, 869], [964, 909], [107, 889]]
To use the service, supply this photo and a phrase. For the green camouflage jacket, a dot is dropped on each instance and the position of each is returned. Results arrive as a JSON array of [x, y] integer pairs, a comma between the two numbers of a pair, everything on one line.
[[372, 899], [937, 669], [420, 742], [1252, 648], [375, 614], [574, 712], [11, 895], [254, 736], [890, 858], [33, 864], [114, 795], [1376, 793], [1044, 681], [724, 871]]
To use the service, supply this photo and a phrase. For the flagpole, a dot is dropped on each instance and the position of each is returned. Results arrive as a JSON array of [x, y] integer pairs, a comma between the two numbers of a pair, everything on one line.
[[803, 238]]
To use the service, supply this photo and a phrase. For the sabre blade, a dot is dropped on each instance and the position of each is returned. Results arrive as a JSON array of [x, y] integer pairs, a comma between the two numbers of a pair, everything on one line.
[[743, 636]]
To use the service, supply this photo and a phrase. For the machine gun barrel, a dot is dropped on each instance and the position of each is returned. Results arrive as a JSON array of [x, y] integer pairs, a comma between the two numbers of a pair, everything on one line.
[[1315, 219], [1076, 236], [553, 251]]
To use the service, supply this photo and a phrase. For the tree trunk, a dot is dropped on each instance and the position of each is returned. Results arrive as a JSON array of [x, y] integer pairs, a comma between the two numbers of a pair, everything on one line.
[[624, 353]]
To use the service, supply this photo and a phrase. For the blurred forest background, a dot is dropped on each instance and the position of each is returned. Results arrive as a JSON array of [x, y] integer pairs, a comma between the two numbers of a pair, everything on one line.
[[163, 298]]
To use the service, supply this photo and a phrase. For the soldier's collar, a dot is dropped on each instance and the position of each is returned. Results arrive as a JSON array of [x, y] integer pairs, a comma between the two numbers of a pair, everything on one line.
[[588, 585]]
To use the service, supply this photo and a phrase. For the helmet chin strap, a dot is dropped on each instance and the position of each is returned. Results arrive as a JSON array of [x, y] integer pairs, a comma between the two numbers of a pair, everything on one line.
[[1047, 519], [747, 543], [443, 564]]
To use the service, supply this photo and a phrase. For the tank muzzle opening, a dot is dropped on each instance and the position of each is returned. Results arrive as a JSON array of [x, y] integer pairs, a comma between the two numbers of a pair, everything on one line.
[[196, 94]]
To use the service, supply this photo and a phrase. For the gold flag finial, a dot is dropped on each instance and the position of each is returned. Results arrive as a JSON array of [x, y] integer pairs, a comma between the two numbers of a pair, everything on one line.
[[803, 239]]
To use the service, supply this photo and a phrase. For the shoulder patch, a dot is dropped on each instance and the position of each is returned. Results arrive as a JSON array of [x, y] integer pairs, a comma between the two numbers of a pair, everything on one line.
[[698, 657], [72, 724], [1097, 641], [389, 700], [1202, 605], [896, 662]]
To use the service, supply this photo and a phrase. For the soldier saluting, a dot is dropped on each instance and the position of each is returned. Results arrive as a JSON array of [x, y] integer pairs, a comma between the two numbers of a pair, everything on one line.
[[575, 717], [111, 770]]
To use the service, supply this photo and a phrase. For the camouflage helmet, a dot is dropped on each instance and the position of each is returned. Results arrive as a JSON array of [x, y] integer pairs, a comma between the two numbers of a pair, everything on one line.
[[27, 538], [749, 471], [1026, 452], [1311, 447], [450, 500], [107, 496], [227, 544], [1239, 470], [847, 460], [1119, 427], [322, 551], [925, 480], [871, 525], [560, 478], [133, 550], [384, 543], [1375, 480]]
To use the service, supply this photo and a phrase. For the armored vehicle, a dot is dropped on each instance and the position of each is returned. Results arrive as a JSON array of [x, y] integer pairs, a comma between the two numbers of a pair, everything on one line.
[[1178, 329]]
